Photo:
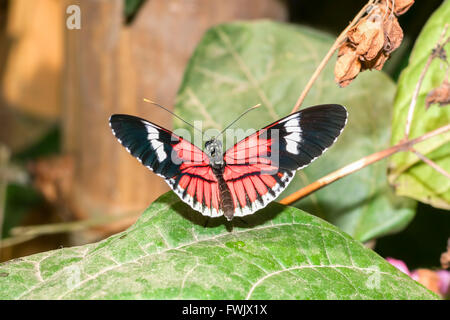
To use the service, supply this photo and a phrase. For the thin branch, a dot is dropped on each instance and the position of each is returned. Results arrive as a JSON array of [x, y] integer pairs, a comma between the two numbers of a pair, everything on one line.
[[430, 163], [359, 164], [330, 53], [70, 226], [4, 159], [26, 233], [413, 103], [12, 241]]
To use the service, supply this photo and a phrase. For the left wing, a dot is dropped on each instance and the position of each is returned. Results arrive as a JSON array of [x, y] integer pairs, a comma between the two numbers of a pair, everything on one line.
[[183, 166], [259, 168]]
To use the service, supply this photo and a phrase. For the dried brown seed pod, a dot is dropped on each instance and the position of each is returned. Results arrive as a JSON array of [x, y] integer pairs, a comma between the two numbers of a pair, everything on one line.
[[368, 36], [376, 63], [400, 6], [371, 41], [393, 34], [347, 65]]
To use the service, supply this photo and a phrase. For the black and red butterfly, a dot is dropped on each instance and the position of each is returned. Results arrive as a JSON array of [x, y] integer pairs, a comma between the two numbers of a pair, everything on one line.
[[246, 177]]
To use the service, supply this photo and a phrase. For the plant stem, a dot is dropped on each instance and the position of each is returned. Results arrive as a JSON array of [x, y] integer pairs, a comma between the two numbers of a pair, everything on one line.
[[4, 158], [359, 164], [329, 54], [430, 163], [26, 233]]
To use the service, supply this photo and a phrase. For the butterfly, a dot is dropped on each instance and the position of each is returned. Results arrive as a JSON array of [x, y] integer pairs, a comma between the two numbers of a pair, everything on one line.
[[244, 178]]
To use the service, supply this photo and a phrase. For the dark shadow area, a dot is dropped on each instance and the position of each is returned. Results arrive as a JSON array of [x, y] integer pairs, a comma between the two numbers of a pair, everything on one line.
[[334, 16], [250, 221], [420, 245]]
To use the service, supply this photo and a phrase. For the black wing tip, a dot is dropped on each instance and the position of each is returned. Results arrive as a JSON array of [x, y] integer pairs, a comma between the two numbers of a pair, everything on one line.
[[332, 107], [337, 109], [121, 117], [335, 112]]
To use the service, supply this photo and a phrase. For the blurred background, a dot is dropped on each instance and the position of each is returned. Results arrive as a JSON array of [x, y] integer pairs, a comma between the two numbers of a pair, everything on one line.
[[64, 180]]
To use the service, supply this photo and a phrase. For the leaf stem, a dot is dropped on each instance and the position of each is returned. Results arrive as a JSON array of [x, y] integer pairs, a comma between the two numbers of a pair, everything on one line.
[[341, 38], [359, 164]]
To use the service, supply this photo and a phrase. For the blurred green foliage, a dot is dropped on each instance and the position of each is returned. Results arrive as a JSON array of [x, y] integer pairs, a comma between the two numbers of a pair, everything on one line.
[[20, 200], [131, 9], [409, 175]]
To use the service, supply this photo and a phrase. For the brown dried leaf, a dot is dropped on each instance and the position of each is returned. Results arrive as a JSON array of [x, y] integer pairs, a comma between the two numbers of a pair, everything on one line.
[[368, 36], [401, 6], [376, 63], [440, 95], [393, 34], [347, 65]]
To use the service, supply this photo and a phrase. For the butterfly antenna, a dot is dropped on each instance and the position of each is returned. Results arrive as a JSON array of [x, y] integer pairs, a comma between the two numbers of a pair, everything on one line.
[[158, 105], [243, 114]]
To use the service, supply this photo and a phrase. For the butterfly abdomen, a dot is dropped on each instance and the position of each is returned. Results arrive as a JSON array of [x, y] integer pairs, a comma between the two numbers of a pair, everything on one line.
[[226, 199]]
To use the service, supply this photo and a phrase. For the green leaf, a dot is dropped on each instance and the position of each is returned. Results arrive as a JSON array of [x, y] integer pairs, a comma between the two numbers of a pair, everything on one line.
[[410, 176], [241, 64], [131, 8], [279, 253]]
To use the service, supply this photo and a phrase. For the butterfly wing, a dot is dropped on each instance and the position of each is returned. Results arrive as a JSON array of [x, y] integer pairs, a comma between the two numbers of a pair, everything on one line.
[[259, 167], [183, 166]]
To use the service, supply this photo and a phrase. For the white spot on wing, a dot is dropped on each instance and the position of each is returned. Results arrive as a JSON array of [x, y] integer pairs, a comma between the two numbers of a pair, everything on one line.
[[293, 129], [158, 146], [291, 146], [294, 116], [152, 136], [292, 123], [150, 129], [294, 136]]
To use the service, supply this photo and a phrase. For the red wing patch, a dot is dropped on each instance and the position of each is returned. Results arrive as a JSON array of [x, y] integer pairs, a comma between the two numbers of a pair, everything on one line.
[[196, 183], [189, 153], [252, 149], [253, 191], [252, 177]]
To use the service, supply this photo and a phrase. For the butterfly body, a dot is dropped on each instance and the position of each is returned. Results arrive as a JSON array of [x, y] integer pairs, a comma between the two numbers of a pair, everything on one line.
[[244, 178]]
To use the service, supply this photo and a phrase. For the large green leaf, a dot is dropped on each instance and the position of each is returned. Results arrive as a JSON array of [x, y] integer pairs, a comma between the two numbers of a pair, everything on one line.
[[279, 253], [241, 64], [410, 176]]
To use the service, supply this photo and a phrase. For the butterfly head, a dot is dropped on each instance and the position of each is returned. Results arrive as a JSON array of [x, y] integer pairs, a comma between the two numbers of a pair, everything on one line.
[[214, 150]]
